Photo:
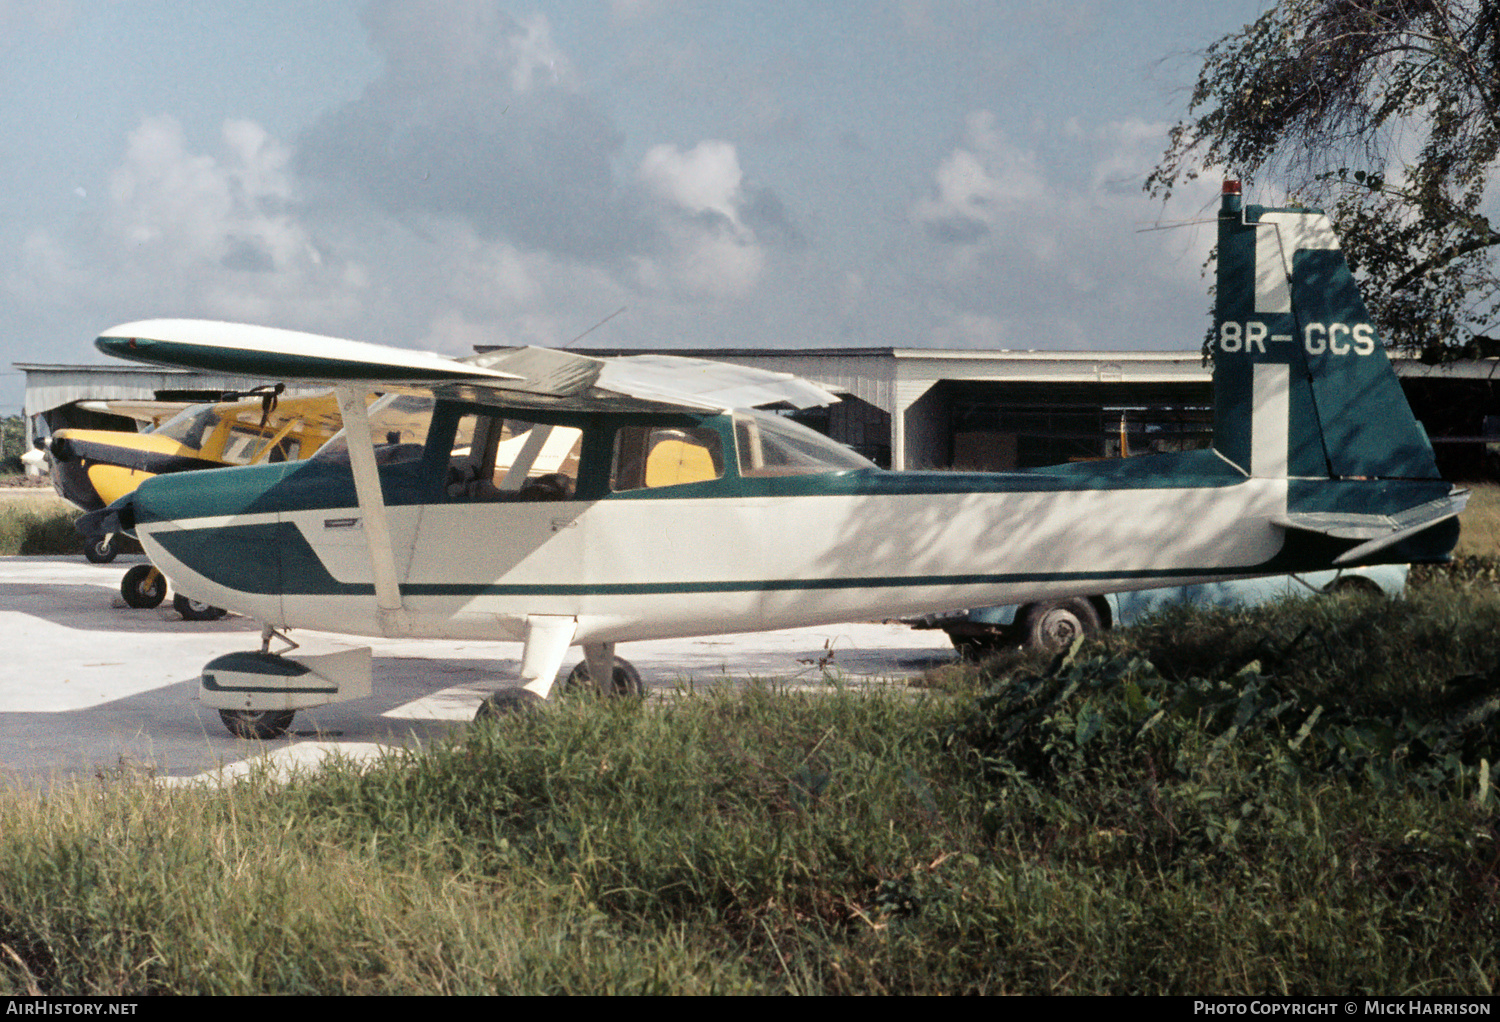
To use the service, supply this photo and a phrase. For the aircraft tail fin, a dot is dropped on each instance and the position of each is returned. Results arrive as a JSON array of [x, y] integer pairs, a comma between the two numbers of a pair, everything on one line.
[[1302, 385]]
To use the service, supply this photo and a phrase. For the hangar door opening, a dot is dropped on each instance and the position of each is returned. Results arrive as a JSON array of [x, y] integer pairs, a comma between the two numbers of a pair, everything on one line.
[[998, 427]]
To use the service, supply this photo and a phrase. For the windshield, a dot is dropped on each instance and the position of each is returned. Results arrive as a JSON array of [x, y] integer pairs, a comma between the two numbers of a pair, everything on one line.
[[398, 427], [191, 426], [770, 445]]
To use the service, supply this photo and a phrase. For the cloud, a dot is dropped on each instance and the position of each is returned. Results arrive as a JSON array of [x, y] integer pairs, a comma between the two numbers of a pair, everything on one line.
[[710, 250], [195, 233], [477, 117], [977, 186], [1026, 255], [473, 192]]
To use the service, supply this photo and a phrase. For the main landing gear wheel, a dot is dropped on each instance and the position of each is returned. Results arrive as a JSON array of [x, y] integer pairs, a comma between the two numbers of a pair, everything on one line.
[[1354, 585], [193, 610], [144, 587], [101, 550], [507, 701], [260, 725], [626, 681], [1055, 625]]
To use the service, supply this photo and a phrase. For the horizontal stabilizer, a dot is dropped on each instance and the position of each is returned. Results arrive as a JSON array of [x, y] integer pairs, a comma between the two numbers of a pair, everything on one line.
[[1373, 532]]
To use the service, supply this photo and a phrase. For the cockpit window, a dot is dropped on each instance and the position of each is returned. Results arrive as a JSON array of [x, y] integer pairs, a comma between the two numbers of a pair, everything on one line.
[[498, 459], [398, 429], [191, 426], [769, 445], [652, 456]]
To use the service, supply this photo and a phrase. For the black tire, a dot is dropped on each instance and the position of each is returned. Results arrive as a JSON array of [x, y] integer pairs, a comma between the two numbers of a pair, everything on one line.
[[626, 681], [192, 610], [977, 647], [143, 587], [1356, 585], [507, 701], [101, 550], [258, 725], [1055, 624]]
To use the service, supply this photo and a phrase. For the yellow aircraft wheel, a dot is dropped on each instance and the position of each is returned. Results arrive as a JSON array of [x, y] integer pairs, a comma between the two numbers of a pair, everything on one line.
[[143, 587], [100, 550]]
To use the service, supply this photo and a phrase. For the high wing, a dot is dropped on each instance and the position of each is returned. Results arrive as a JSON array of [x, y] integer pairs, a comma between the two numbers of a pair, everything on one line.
[[153, 412], [539, 377]]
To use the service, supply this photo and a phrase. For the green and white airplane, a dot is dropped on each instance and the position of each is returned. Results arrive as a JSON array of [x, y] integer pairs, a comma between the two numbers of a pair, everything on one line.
[[679, 510]]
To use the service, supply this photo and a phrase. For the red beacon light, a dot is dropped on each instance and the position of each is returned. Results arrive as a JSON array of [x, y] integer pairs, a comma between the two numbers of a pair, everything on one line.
[[1231, 188]]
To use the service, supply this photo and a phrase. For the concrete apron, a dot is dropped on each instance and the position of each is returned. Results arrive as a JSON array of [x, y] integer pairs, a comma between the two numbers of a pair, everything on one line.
[[90, 688]]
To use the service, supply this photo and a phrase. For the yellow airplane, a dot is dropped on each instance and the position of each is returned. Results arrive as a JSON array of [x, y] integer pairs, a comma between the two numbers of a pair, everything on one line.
[[92, 468]]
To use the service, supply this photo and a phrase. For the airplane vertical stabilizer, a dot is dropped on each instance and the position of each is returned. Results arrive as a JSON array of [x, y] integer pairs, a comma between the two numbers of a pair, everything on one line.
[[1302, 385]]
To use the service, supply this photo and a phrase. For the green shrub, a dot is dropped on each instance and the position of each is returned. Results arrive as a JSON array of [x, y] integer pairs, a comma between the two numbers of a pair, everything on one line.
[[28, 530]]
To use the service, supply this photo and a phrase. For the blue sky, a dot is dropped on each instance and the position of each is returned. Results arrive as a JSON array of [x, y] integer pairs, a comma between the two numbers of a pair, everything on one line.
[[437, 173]]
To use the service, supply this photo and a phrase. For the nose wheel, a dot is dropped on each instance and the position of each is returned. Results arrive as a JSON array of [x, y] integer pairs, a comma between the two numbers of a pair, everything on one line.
[[102, 549], [143, 587], [261, 725]]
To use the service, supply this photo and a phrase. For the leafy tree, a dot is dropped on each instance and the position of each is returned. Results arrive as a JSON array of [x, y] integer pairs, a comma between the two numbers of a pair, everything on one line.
[[12, 443], [1385, 112]]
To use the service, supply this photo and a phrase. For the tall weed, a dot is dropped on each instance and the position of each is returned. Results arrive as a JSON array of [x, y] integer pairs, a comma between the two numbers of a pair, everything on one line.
[[25, 529]]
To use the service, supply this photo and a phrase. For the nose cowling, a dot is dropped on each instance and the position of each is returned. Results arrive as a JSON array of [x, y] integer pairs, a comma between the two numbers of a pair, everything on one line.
[[117, 517]]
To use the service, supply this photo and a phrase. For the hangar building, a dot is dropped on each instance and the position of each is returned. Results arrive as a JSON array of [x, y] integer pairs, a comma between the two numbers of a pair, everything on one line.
[[931, 408]]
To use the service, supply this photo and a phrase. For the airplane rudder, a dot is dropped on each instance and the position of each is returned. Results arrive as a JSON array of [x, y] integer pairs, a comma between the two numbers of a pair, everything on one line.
[[1302, 383]]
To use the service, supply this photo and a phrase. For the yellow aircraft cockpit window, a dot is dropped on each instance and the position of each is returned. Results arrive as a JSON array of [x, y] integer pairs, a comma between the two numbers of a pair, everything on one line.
[[653, 456], [247, 433], [770, 445], [190, 427]]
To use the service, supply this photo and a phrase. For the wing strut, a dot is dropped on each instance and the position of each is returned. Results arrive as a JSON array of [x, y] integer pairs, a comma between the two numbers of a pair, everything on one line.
[[393, 617]]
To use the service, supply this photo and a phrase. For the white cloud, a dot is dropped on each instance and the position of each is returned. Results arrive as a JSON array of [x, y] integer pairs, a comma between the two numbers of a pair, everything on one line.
[[707, 178], [983, 182], [533, 57], [196, 233], [711, 251], [1026, 256]]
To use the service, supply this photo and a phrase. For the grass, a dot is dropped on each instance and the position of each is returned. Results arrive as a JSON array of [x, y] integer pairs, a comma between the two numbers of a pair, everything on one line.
[[30, 527], [1295, 800], [1480, 534]]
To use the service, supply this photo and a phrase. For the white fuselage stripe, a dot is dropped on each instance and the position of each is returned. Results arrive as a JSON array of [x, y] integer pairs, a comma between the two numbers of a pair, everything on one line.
[[476, 571], [1270, 422], [1282, 236]]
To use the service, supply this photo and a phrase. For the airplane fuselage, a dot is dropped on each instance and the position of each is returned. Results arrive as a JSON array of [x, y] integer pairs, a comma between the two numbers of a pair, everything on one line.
[[287, 545]]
